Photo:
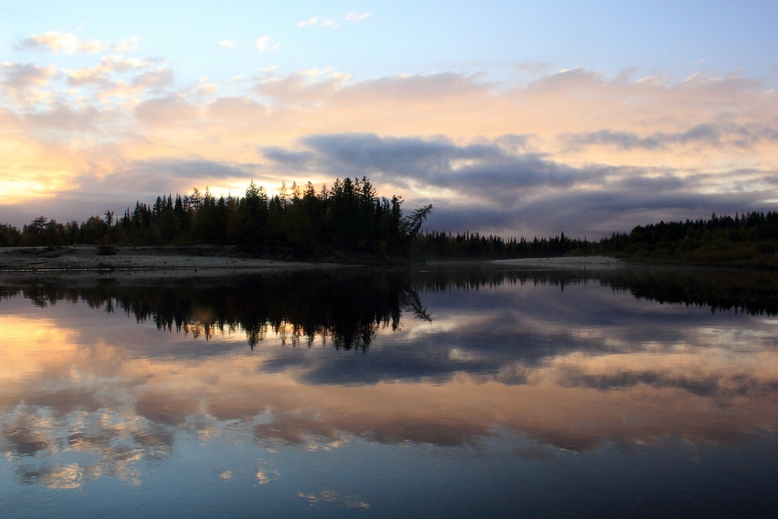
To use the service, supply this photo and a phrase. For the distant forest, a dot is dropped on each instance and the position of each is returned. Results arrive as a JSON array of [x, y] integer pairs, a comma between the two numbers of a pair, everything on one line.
[[750, 239], [351, 217]]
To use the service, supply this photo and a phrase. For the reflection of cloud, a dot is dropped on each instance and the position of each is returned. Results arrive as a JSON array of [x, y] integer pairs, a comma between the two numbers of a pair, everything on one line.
[[40, 438], [570, 368], [64, 477], [25, 433], [330, 496], [25, 338]]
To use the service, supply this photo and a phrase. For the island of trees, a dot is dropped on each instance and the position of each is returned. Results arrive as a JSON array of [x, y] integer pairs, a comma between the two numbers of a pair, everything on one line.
[[351, 217]]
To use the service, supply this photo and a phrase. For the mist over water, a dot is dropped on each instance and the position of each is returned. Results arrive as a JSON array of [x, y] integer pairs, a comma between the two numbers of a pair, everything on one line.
[[464, 392]]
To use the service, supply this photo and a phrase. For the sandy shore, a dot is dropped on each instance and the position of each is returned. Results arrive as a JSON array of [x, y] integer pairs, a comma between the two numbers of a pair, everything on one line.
[[163, 262], [144, 263], [572, 262]]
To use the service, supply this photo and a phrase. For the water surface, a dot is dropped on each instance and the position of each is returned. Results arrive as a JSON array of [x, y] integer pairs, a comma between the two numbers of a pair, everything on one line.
[[457, 392]]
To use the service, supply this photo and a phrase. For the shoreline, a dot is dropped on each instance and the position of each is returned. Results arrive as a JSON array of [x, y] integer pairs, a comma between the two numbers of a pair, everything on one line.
[[125, 258], [157, 263], [564, 262], [180, 261], [142, 262]]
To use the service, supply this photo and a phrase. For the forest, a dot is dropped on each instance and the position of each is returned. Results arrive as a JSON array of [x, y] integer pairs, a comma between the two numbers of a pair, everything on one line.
[[351, 217], [749, 239]]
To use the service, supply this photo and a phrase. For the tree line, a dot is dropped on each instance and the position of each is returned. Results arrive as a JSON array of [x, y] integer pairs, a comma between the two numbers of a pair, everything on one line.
[[351, 216], [474, 246], [748, 239], [348, 215]]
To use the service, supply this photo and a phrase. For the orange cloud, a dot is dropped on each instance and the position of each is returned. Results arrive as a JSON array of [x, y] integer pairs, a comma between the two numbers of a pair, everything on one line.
[[698, 131]]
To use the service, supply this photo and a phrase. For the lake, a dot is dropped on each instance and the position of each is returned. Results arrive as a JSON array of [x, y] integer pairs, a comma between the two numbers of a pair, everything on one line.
[[431, 391]]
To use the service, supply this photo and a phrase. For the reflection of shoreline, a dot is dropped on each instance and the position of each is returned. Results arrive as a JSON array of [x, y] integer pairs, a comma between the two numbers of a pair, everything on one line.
[[347, 307], [754, 292]]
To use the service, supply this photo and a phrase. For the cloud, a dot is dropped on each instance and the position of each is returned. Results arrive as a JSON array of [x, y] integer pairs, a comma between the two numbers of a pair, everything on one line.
[[534, 68], [66, 43], [164, 111], [237, 110], [58, 42], [18, 76], [475, 169], [321, 22], [499, 186], [356, 16], [203, 86], [157, 175], [297, 159], [227, 44], [153, 79], [262, 45], [421, 88], [126, 79], [711, 134], [125, 45], [575, 150], [302, 87], [310, 21], [63, 118], [108, 66]]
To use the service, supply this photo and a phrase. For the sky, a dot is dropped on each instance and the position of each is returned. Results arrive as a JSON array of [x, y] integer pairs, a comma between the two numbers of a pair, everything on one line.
[[516, 118]]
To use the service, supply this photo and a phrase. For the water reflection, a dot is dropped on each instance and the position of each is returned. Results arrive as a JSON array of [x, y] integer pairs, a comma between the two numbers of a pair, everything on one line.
[[341, 308], [348, 308], [452, 358]]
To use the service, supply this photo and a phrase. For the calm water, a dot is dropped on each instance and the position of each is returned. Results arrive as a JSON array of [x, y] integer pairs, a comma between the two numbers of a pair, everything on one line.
[[437, 393]]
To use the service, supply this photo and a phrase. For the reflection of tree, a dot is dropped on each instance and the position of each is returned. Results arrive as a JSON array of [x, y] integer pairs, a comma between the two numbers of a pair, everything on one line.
[[743, 290], [345, 309]]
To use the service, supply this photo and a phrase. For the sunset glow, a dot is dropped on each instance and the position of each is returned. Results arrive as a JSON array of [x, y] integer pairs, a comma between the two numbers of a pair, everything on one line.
[[583, 119]]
